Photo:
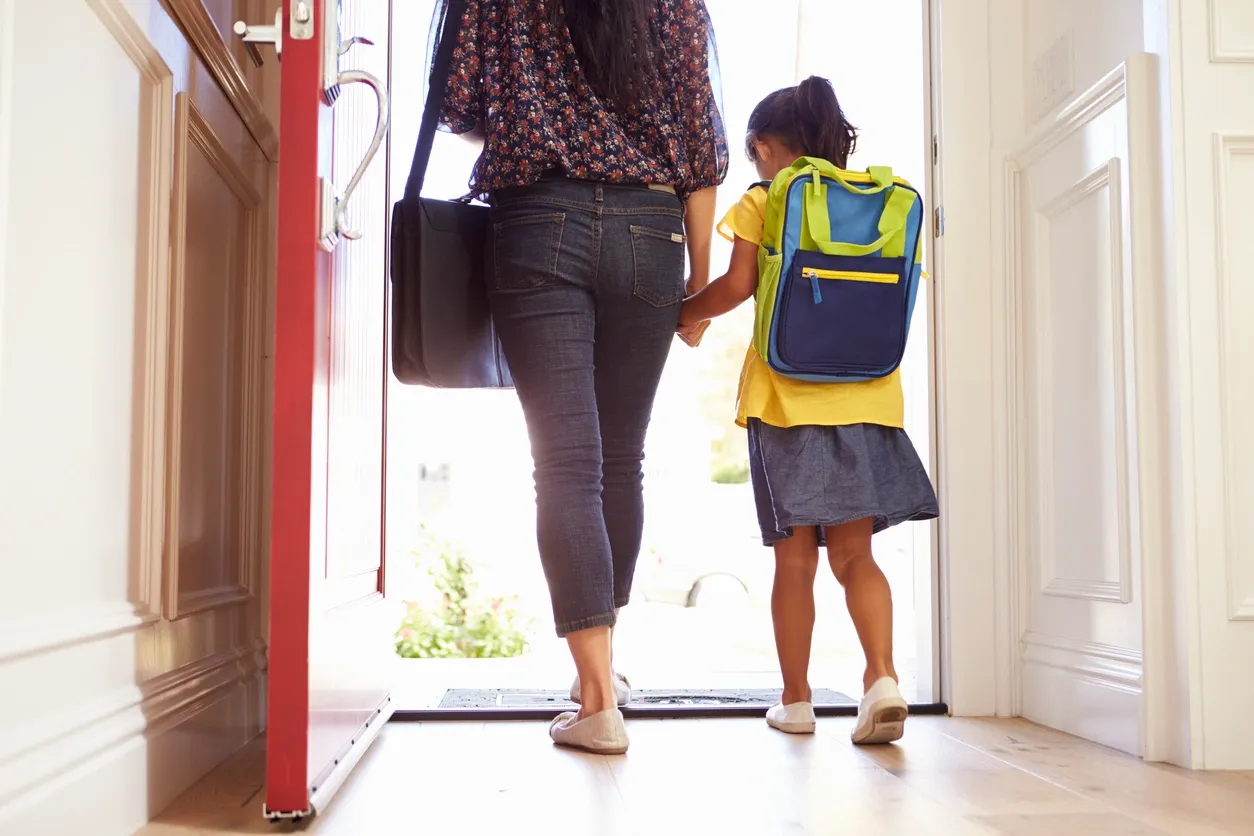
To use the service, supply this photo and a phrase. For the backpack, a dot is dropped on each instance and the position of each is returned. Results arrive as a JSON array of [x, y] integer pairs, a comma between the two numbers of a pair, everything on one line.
[[838, 272]]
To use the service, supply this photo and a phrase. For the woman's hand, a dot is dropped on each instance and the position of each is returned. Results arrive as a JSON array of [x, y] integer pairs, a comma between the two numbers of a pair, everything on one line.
[[691, 331]]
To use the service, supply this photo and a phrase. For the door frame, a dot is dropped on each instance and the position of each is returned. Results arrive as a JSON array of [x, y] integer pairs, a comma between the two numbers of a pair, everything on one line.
[[934, 675], [973, 629]]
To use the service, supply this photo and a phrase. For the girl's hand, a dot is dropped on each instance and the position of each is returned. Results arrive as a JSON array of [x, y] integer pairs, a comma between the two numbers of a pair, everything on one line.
[[691, 331], [692, 334]]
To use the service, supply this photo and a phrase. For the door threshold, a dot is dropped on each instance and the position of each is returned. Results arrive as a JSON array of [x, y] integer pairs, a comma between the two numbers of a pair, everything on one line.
[[633, 712]]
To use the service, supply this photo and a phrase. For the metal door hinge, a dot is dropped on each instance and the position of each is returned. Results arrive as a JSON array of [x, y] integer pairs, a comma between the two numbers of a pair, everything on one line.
[[300, 27], [935, 150], [938, 221]]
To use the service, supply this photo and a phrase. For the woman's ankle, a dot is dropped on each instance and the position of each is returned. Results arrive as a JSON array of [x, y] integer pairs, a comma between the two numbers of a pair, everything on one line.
[[591, 651], [595, 698]]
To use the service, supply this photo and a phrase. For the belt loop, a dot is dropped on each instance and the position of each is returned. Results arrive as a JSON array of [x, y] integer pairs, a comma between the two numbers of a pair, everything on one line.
[[600, 193]]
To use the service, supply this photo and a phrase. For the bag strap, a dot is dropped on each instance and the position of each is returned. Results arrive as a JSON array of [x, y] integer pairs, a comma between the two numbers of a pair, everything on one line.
[[881, 175], [892, 224], [436, 89]]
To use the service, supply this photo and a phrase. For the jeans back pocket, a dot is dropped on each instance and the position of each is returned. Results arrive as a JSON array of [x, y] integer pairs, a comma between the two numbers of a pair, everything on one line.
[[525, 248], [658, 257]]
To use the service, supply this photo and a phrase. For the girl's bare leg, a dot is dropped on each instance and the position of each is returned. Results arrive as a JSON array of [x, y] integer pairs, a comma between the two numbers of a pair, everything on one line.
[[792, 610], [867, 595]]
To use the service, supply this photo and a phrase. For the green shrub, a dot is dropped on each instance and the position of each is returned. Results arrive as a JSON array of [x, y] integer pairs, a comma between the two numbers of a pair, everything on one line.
[[464, 624], [730, 474]]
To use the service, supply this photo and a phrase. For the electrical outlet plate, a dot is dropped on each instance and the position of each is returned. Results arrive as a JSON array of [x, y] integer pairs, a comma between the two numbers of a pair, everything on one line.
[[1052, 80]]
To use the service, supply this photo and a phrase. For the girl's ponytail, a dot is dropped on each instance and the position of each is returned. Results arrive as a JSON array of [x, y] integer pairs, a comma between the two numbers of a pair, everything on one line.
[[807, 119]]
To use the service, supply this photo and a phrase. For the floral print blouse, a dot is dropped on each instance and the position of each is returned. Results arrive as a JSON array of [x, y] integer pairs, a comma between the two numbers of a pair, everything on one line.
[[518, 77]]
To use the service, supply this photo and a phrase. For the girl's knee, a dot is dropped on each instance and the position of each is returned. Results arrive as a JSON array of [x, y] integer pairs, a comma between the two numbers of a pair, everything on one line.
[[848, 546], [844, 560], [799, 553]]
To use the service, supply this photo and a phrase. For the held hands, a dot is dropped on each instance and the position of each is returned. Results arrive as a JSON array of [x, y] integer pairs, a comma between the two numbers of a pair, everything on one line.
[[692, 332]]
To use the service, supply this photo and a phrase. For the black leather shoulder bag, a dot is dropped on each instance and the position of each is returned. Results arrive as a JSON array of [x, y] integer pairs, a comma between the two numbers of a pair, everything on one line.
[[442, 332]]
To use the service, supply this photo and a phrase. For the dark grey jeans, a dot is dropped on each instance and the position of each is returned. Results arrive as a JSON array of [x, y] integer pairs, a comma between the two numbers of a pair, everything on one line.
[[586, 282]]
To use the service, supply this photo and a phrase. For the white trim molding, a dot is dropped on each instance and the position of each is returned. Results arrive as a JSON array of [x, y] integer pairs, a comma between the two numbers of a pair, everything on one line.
[[1101, 664], [6, 143], [1107, 176], [966, 353], [1221, 51], [1239, 579], [156, 148], [89, 739]]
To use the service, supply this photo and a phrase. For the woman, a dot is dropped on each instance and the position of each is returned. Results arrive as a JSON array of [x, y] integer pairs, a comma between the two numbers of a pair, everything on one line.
[[603, 145]]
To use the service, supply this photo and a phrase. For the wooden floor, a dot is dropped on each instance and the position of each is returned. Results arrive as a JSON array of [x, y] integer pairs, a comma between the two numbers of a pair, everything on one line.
[[722, 777]]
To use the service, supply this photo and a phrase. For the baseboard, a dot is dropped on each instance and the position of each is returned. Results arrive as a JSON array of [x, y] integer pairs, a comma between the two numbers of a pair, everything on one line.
[[111, 776], [1089, 690]]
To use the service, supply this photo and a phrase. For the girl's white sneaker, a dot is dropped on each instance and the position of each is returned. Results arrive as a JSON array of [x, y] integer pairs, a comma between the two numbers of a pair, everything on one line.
[[603, 733], [881, 715], [622, 690], [796, 718]]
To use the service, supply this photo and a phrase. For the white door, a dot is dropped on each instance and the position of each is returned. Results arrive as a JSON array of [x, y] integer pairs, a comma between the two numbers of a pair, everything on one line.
[[1215, 246], [1076, 510], [134, 259]]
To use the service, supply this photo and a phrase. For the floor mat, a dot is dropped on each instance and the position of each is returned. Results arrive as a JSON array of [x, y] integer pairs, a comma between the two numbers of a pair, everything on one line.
[[521, 698]]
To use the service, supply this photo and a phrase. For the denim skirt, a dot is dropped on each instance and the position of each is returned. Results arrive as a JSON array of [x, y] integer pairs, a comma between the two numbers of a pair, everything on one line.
[[825, 476]]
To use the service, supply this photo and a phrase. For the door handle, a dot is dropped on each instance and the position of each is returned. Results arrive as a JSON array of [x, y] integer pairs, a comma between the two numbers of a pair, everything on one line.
[[335, 223]]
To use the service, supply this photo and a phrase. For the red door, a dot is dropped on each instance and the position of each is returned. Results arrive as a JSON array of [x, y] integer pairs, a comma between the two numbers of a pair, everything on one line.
[[328, 693]]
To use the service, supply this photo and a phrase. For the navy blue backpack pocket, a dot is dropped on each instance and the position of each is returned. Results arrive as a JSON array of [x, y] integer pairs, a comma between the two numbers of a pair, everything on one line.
[[847, 307]]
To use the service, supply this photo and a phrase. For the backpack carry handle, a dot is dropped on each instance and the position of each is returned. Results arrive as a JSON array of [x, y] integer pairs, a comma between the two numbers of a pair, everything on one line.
[[892, 225], [881, 175]]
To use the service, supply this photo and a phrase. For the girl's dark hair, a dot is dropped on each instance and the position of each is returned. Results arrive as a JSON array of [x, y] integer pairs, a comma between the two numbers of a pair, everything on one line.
[[616, 45], [807, 119]]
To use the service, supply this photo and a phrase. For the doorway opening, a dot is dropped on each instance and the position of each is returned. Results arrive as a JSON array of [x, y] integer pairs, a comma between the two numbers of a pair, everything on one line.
[[473, 628]]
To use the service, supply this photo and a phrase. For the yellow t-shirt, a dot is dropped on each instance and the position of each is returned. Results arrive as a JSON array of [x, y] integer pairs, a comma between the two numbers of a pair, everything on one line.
[[786, 402]]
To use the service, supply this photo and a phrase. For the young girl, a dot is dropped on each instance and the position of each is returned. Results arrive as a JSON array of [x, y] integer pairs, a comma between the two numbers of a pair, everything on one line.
[[830, 462]]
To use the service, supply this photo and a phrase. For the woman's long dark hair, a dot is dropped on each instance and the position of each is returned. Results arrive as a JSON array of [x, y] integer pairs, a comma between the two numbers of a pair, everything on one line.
[[616, 45], [807, 119]]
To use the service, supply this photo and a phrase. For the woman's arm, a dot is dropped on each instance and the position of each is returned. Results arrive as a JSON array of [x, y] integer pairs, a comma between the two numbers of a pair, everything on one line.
[[699, 229], [728, 291], [700, 123], [462, 110]]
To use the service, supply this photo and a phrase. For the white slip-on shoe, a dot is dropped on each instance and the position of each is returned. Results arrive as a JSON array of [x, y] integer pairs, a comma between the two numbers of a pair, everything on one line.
[[881, 715], [622, 690], [795, 718], [603, 733]]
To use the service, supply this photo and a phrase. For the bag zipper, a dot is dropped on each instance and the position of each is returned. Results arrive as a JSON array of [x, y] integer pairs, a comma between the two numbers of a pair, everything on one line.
[[815, 273]]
